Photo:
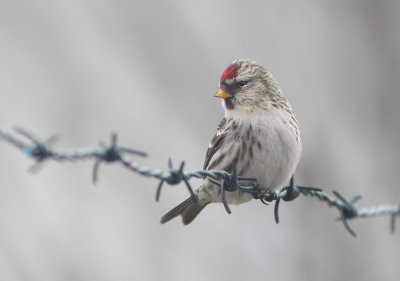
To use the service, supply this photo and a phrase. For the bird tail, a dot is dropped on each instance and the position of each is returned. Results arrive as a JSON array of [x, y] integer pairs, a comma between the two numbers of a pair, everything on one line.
[[188, 209]]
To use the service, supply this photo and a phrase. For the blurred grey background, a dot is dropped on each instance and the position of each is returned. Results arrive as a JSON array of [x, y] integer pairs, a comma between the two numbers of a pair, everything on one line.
[[148, 70]]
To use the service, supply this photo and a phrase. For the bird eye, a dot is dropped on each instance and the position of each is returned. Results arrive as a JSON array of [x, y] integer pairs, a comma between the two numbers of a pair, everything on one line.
[[242, 83]]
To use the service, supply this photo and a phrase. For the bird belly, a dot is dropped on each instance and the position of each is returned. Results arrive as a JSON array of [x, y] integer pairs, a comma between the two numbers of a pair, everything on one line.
[[275, 161], [268, 152]]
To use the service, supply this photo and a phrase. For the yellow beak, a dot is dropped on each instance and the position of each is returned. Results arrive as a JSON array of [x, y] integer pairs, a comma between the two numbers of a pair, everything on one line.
[[222, 94]]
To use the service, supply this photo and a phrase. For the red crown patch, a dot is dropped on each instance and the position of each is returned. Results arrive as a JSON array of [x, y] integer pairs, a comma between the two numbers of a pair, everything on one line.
[[229, 73]]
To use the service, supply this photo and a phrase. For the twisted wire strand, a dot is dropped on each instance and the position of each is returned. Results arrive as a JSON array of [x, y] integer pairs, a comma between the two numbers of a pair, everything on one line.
[[332, 202], [41, 150], [382, 210]]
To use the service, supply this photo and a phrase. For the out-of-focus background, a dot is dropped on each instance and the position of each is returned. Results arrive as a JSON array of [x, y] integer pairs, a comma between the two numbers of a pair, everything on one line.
[[148, 70]]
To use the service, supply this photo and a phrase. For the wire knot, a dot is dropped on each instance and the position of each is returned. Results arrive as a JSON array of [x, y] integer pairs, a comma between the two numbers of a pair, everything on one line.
[[347, 210], [231, 183], [111, 153], [292, 192], [39, 149], [40, 152], [173, 177], [231, 180]]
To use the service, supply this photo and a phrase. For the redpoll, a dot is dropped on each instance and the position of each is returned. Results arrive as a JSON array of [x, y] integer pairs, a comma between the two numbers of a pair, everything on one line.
[[259, 132]]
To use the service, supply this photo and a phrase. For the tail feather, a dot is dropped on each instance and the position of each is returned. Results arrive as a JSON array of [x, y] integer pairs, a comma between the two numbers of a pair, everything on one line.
[[188, 209]]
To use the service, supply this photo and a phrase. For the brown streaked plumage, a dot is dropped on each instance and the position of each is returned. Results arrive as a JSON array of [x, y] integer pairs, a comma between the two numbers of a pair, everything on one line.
[[259, 131]]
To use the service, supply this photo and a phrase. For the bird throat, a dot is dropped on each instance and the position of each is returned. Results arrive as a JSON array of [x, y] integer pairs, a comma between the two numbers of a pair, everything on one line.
[[229, 103]]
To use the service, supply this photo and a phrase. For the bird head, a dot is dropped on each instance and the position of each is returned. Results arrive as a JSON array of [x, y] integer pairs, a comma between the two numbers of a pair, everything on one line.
[[246, 86]]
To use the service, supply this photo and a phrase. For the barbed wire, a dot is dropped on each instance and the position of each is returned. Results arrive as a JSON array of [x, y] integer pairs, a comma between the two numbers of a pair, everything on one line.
[[41, 150]]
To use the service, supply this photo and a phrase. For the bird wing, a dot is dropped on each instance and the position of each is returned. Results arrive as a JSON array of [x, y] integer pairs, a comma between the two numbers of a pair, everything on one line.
[[215, 143]]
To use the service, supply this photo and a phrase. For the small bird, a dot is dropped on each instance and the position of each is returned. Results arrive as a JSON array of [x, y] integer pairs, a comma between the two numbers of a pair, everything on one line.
[[259, 132]]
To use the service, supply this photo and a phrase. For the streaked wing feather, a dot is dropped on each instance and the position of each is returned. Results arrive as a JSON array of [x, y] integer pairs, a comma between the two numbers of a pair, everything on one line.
[[215, 144]]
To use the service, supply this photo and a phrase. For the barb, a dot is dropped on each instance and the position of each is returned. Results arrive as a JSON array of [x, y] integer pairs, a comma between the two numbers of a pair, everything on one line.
[[42, 150]]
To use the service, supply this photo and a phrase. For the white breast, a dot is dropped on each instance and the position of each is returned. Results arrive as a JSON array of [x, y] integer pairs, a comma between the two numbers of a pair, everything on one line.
[[279, 155], [274, 156]]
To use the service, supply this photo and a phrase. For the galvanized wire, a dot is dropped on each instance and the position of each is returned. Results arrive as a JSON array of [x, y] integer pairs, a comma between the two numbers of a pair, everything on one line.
[[41, 151]]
